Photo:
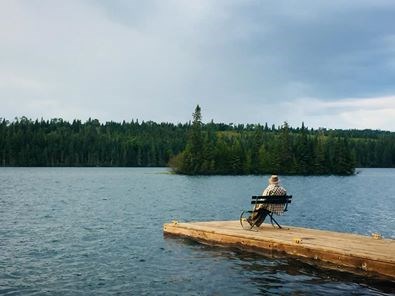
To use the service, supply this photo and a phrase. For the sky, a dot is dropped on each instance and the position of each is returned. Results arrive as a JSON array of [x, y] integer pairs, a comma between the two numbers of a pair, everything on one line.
[[325, 63]]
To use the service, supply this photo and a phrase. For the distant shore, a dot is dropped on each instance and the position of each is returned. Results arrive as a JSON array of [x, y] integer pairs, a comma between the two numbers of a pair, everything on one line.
[[210, 149]]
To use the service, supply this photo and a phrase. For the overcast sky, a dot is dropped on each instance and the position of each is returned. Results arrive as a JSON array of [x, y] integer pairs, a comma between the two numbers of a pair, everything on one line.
[[327, 63]]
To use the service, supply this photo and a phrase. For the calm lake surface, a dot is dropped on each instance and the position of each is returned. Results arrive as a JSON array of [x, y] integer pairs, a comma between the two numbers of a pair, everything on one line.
[[98, 231]]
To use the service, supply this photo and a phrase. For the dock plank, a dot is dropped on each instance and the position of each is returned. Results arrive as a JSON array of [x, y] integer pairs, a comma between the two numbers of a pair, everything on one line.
[[358, 252]]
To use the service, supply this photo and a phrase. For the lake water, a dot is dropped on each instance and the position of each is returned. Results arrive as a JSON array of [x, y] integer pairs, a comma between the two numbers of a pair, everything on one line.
[[98, 231]]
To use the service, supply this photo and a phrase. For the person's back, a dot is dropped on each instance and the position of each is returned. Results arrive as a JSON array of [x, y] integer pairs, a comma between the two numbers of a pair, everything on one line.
[[273, 188]]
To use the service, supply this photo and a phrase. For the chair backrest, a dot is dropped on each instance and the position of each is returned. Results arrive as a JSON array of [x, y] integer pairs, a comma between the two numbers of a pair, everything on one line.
[[271, 199], [274, 203]]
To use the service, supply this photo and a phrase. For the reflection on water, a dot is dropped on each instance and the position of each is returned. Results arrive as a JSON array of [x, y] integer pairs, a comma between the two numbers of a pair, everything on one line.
[[281, 275], [92, 231]]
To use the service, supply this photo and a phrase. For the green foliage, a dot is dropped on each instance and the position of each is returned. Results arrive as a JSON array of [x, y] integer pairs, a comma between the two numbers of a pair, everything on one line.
[[194, 148], [60, 143], [254, 149]]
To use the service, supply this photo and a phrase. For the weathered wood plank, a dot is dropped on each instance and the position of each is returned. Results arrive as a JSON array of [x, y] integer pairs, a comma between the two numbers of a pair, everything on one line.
[[350, 251]]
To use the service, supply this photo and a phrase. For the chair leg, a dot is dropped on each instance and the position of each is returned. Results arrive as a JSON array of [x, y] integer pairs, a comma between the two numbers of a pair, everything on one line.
[[272, 219], [250, 226]]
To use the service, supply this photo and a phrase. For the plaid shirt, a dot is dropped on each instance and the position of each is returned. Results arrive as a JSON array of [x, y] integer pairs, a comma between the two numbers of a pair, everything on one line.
[[273, 189]]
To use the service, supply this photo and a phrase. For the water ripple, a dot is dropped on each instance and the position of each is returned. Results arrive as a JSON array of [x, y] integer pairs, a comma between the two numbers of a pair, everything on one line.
[[92, 231]]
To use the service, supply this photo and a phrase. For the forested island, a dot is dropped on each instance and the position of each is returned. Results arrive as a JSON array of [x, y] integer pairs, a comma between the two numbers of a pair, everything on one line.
[[194, 147]]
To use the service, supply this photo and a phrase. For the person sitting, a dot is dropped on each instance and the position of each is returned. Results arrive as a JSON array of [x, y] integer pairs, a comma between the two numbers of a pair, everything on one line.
[[261, 210]]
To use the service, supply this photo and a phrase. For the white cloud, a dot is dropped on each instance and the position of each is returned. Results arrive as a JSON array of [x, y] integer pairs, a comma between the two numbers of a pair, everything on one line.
[[359, 113], [12, 81]]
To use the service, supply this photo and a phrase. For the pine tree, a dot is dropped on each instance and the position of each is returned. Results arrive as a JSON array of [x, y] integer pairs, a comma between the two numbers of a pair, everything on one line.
[[285, 150]]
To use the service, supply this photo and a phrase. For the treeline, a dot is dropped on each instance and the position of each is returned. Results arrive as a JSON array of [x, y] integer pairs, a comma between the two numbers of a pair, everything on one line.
[[56, 142], [260, 150], [194, 148]]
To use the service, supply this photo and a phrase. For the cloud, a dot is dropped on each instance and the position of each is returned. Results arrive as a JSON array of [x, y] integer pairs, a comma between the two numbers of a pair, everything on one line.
[[20, 83], [155, 60], [359, 113]]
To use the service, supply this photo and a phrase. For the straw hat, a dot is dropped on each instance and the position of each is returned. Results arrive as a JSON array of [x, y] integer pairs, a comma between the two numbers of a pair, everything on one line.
[[274, 180]]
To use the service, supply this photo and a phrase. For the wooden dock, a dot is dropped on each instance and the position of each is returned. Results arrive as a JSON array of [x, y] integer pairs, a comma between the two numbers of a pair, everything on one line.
[[351, 252]]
